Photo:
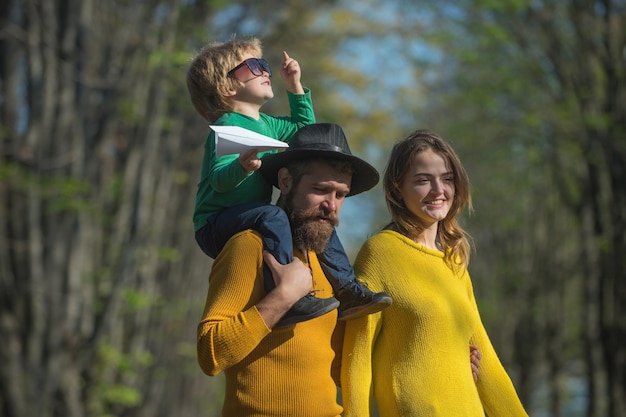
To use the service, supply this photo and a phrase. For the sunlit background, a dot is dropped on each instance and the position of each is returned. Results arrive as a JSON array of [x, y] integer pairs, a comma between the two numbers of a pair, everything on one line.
[[101, 281]]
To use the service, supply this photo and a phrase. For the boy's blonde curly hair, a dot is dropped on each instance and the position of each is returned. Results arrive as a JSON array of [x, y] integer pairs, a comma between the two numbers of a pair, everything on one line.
[[207, 76]]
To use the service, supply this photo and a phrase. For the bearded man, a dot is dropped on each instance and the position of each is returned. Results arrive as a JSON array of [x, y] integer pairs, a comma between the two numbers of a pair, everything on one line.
[[283, 371]]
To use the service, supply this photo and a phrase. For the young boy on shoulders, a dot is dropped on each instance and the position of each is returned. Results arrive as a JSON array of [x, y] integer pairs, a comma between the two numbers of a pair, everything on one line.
[[228, 83]]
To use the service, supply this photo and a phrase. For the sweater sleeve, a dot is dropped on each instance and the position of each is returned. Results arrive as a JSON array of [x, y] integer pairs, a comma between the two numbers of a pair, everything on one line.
[[231, 326], [358, 345], [224, 173], [356, 365], [495, 388], [301, 106], [284, 127]]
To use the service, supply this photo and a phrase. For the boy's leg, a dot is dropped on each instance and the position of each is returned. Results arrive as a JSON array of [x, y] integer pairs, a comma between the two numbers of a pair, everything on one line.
[[269, 220], [355, 299], [273, 225], [203, 238]]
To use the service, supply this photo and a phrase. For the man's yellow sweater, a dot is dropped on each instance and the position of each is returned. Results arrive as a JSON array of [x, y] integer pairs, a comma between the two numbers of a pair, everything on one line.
[[413, 357], [284, 372]]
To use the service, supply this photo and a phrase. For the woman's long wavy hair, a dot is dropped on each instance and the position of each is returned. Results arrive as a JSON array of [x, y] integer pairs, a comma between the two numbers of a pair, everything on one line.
[[450, 235]]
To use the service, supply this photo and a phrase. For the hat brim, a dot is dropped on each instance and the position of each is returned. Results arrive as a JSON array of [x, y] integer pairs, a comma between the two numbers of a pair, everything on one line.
[[364, 175]]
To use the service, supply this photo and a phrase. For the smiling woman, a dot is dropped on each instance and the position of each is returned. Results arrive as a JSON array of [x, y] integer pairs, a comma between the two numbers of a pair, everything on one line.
[[420, 260]]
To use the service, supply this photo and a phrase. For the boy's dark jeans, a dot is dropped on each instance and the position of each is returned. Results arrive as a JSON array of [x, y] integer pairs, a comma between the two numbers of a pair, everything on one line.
[[273, 225]]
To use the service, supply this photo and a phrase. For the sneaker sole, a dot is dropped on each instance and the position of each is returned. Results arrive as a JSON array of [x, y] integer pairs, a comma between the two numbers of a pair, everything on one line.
[[293, 320], [360, 311]]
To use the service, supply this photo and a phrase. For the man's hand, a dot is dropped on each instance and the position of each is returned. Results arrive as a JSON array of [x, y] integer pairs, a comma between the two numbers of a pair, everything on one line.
[[250, 160], [475, 357], [290, 73], [293, 281]]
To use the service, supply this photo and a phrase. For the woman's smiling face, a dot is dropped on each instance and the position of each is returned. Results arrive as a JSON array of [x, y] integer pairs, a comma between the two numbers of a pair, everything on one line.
[[427, 189]]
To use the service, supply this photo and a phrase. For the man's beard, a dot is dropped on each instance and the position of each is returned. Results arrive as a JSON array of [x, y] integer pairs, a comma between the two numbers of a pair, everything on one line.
[[308, 232]]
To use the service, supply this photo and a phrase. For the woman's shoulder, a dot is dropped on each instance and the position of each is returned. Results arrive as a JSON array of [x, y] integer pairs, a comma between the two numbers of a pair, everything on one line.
[[385, 241], [394, 244], [386, 237]]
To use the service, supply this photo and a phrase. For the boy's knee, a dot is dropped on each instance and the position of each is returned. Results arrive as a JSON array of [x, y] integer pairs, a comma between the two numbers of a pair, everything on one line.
[[277, 212]]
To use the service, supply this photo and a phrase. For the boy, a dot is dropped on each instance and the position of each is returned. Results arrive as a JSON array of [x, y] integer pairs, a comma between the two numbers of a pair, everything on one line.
[[228, 83]]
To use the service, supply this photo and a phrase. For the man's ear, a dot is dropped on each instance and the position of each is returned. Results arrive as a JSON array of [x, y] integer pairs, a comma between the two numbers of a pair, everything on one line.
[[284, 180]]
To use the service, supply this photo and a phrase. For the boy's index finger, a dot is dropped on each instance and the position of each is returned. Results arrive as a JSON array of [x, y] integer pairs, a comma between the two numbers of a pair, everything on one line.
[[285, 56]]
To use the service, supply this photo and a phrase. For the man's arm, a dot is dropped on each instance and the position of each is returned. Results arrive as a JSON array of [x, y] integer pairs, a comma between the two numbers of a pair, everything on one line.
[[238, 313]]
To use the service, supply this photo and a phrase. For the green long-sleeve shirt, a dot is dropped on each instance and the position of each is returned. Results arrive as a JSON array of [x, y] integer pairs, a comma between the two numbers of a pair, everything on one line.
[[223, 182]]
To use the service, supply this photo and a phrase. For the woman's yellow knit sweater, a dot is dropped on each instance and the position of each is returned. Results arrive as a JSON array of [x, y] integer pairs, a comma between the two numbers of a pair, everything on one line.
[[269, 373], [413, 357]]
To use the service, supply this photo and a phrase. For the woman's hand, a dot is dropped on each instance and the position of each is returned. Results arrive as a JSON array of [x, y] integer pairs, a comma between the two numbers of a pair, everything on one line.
[[475, 357]]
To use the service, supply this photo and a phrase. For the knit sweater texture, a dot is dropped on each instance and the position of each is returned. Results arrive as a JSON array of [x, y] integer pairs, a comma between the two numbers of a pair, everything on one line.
[[413, 357], [223, 182], [271, 373]]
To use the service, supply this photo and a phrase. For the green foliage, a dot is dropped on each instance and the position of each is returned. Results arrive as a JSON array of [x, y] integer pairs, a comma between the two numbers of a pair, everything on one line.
[[181, 177], [128, 110], [135, 300], [111, 357], [504, 6], [62, 193], [113, 393], [121, 395], [169, 254], [115, 188]]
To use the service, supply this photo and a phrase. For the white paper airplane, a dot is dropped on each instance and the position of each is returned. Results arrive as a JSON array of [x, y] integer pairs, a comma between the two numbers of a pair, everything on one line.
[[235, 139]]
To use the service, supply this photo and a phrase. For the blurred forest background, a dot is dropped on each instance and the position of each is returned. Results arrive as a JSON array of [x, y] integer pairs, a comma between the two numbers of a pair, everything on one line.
[[101, 282]]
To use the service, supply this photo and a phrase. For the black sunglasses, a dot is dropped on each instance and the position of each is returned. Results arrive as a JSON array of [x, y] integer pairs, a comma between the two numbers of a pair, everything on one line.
[[255, 65]]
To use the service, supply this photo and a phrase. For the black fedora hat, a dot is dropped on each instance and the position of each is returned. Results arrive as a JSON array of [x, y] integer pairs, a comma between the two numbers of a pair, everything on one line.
[[325, 141]]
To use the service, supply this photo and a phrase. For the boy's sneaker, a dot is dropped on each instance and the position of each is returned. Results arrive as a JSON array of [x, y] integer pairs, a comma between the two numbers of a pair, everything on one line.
[[307, 308], [357, 300]]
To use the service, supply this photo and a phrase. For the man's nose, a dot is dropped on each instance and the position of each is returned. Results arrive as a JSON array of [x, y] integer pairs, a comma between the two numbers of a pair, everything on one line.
[[330, 203]]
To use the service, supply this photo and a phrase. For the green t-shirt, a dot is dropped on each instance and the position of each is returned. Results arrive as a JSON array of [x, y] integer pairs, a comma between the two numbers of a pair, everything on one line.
[[223, 182]]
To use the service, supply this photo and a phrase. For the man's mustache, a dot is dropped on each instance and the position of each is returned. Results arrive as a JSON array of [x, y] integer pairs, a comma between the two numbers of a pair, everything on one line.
[[315, 214]]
